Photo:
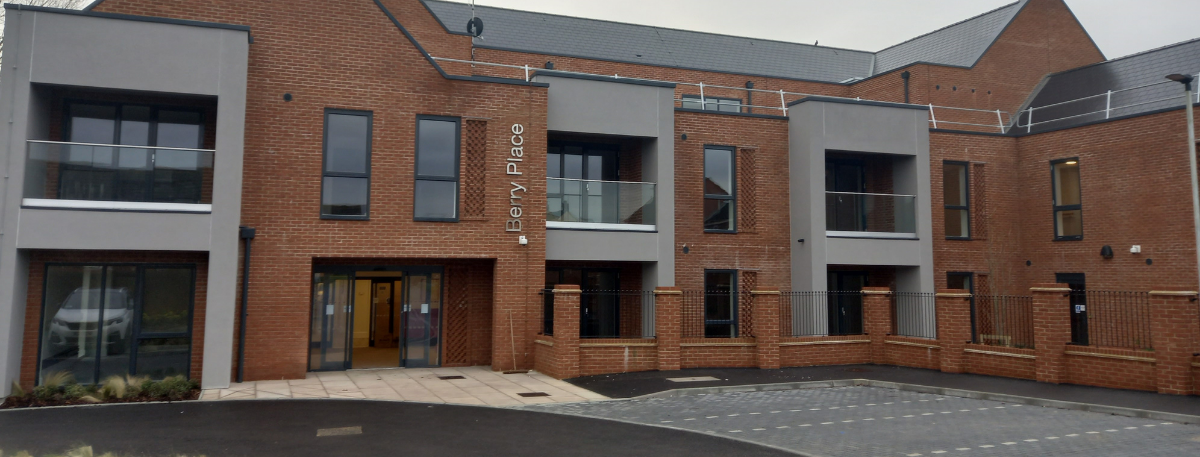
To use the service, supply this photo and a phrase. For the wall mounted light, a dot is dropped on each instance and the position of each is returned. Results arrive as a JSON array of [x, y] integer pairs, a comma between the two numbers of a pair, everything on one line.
[[522, 240], [1106, 252], [1135, 249]]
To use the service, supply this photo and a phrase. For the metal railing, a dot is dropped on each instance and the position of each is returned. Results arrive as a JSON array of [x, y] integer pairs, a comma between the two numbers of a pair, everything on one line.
[[600, 202], [1111, 319], [547, 311], [784, 97], [60, 170], [1003, 320], [717, 314], [821, 313], [867, 212], [914, 314], [616, 314], [1099, 106]]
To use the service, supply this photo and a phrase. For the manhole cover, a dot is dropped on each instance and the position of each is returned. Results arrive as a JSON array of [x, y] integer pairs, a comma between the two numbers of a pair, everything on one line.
[[340, 431], [533, 394], [444, 378], [694, 379]]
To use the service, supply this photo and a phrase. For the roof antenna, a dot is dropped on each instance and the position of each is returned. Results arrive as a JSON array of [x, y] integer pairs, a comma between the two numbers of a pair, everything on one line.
[[475, 25]]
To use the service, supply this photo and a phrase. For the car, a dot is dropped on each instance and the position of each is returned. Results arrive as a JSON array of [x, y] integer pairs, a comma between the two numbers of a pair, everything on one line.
[[74, 320]]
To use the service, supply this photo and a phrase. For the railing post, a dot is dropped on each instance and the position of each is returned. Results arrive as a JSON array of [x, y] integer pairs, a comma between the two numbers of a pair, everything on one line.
[[877, 319], [1175, 336], [566, 330], [953, 327], [668, 326], [1108, 105], [783, 102], [526, 73], [1029, 122], [1000, 121], [932, 117], [766, 327], [703, 101], [1051, 330]]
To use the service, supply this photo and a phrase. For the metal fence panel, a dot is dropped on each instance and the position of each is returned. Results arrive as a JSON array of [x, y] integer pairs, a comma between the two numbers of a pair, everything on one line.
[[615, 313], [717, 314], [1113, 319], [821, 313], [914, 314], [1003, 320]]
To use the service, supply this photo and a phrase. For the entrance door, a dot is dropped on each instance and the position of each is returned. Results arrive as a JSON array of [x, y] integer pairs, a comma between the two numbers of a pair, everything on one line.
[[329, 347], [422, 311], [845, 308], [1078, 302], [599, 313]]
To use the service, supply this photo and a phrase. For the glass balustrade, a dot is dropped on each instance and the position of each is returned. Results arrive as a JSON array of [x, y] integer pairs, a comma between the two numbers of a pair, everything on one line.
[[579, 201], [111, 173], [850, 212]]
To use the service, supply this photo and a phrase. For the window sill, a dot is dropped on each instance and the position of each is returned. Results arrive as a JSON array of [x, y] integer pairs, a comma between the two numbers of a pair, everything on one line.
[[91, 205], [1068, 238], [959, 238], [725, 232], [870, 235], [597, 226], [344, 218], [418, 219]]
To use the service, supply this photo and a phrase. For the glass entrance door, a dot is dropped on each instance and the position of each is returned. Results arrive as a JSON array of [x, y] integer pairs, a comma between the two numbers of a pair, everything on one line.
[[422, 312], [329, 344]]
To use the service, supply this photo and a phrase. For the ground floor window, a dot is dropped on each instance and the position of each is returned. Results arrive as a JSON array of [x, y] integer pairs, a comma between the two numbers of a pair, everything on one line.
[[720, 304], [104, 320]]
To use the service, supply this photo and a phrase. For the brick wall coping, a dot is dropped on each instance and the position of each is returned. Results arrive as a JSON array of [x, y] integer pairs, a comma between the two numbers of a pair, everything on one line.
[[1002, 354], [1049, 289], [667, 292], [568, 291], [1112, 356], [953, 295], [821, 342], [619, 344], [545, 342], [876, 292], [909, 343], [1174, 293], [718, 344], [1196, 364], [764, 292]]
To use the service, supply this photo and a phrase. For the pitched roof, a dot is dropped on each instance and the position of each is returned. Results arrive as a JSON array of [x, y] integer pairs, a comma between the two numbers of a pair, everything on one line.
[[959, 44], [1127, 75]]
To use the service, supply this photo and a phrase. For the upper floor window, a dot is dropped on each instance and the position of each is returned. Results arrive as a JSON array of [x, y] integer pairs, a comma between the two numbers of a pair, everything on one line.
[[1068, 207], [958, 207], [720, 195], [435, 194], [729, 105], [346, 184]]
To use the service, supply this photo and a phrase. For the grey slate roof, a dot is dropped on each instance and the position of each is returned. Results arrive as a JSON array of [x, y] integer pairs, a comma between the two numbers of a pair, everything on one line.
[[960, 44], [1124, 73]]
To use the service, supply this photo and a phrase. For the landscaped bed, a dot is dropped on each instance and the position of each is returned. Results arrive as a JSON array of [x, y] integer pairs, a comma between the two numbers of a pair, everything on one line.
[[59, 389]]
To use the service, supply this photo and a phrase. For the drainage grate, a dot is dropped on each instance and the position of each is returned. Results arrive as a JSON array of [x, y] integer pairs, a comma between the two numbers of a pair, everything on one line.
[[444, 378], [694, 379], [341, 431], [533, 394]]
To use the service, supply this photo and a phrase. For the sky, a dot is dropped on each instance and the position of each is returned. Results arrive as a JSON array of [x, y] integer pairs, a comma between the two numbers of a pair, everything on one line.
[[1119, 27]]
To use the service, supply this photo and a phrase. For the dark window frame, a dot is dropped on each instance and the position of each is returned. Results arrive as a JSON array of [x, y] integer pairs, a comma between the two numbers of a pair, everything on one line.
[[1060, 208], [733, 303], [966, 166], [457, 180], [716, 102], [325, 173], [733, 206], [607, 151], [136, 335]]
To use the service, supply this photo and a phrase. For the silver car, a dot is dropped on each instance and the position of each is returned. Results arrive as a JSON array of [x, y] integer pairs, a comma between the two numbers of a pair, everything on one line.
[[74, 320]]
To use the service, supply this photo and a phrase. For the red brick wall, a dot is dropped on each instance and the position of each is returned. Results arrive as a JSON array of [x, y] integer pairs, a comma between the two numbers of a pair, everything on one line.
[[1000, 365], [37, 275], [912, 356], [829, 353], [737, 352], [594, 359], [1114, 373]]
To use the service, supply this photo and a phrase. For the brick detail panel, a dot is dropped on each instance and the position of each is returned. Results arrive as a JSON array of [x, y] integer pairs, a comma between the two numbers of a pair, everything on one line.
[[474, 172], [457, 346], [747, 190]]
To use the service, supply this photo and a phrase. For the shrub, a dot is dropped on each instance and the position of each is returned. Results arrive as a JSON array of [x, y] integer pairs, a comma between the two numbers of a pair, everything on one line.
[[133, 385], [172, 388], [76, 391], [113, 388], [17, 391]]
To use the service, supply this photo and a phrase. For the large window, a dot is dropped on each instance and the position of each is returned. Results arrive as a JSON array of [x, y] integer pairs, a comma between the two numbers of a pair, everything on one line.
[[435, 196], [1068, 207], [958, 207], [92, 171], [727, 105], [720, 304], [105, 320], [720, 195], [346, 184]]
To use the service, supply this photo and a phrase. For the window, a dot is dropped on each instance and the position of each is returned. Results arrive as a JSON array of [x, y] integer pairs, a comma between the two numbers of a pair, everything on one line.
[[141, 174], [720, 199], [728, 105], [720, 304], [574, 192], [1068, 208], [346, 184], [435, 196], [958, 206], [105, 320]]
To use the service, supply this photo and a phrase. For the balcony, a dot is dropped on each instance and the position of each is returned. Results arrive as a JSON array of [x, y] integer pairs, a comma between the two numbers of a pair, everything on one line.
[[868, 215], [600, 205], [118, 177]]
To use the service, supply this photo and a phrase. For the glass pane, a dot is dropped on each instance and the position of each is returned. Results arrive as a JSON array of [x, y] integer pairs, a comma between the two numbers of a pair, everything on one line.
[[729, 105], [958, 281], [437, 150], [166, 300], [718, 214], [117, 335], [344, 196], [330, 334], [554, 166], [93, 124], [718, 172], [691, 102], [178, 136], [417, 329], [595, 167], [955, 184], [72, 311], [1066, 183], [956, 223], [346, 139], [435, 199], [435, 318], [135, 126], [1070, 223], [573, 166], [159, 358]]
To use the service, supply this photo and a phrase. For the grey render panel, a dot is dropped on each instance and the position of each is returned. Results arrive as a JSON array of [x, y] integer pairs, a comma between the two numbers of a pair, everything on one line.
[[608, 108], [586, 245], [85, 51], [1124, 73], [816, 128], [960, 44], [45, 47]]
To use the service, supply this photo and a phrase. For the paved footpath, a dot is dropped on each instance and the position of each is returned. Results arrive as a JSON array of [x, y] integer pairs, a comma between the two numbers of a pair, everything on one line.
[[871, 421]]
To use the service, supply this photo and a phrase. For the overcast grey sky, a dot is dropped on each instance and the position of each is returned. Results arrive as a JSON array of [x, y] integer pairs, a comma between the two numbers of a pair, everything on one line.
[[1120, 27]]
